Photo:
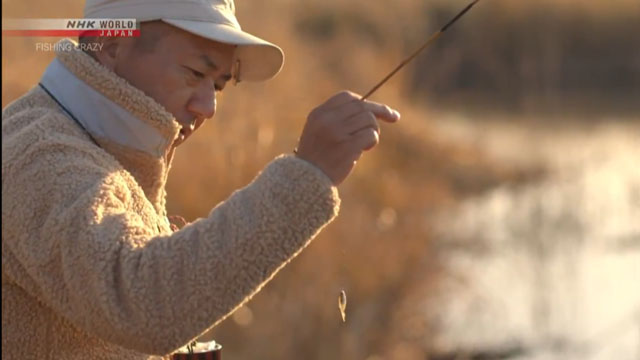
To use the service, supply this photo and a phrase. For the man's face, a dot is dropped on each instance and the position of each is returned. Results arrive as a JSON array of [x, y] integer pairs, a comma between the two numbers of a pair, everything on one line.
[[181, 71]]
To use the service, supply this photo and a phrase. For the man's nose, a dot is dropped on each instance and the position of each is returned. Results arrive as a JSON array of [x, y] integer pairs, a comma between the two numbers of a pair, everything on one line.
[[203, 104]]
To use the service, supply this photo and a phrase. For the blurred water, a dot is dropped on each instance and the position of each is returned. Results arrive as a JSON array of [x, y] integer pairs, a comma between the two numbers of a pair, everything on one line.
[[549, 270]]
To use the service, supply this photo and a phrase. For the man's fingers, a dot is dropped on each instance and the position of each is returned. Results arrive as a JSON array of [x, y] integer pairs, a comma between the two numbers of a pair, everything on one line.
[[382, 112], [365, 139], [341, 98], [347, 101], [351, 108], [340, 130], [346, 110], [361, 121]]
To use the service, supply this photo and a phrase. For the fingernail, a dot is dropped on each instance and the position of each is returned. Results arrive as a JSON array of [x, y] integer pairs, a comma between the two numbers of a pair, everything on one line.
[[397, 114]]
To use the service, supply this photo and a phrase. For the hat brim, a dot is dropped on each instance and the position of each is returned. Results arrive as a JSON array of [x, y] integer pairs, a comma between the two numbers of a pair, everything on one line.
[[259, 59]]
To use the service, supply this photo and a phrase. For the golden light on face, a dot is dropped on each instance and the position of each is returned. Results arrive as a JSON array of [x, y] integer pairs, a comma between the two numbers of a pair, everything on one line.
[[342, 305]]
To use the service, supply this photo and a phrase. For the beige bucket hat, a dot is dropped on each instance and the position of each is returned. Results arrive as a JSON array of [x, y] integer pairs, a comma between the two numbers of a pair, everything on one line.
[[212, 19]]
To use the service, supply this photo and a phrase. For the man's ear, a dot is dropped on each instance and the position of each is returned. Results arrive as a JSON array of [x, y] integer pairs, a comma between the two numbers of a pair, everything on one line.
[[108, 53]]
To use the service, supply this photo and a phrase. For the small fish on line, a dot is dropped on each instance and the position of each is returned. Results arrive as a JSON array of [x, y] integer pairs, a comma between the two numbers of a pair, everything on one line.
[[342, 305]]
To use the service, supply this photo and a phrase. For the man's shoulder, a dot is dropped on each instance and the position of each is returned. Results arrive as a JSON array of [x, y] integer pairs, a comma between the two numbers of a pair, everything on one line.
[[33, 126], [34, 99], [43, 150], [34, 112]]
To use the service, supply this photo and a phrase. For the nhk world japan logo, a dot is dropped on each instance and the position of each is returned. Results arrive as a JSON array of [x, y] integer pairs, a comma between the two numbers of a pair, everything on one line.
[[70, 27]]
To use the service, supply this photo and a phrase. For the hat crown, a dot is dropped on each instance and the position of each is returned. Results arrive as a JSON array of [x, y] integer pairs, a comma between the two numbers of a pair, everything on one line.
[[216, 11], [92, 4]]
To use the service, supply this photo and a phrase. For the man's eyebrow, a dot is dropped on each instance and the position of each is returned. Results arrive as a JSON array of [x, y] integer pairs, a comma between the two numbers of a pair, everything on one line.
[[214, 67]]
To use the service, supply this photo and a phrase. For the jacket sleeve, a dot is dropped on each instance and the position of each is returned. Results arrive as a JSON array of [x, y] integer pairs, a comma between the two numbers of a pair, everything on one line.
[[76, 236]]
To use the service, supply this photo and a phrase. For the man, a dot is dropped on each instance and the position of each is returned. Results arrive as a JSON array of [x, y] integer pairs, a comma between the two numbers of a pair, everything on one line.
[[91, 268]]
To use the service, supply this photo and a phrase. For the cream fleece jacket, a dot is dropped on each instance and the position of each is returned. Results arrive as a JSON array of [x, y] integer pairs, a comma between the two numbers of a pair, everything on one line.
[[90, 266]]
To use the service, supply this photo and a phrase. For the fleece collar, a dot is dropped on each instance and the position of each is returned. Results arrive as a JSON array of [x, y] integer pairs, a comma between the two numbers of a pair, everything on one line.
[[106, 105]]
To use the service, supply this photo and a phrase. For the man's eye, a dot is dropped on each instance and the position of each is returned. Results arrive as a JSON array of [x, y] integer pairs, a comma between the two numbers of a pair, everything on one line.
[[197, 74]]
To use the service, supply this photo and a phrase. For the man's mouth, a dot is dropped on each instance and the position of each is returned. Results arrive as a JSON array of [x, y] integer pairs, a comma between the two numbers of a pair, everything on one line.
[[180, 138], [185, 132]]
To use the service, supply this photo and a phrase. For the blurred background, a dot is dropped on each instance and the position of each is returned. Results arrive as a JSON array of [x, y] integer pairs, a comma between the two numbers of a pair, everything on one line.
[[500, 219]]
